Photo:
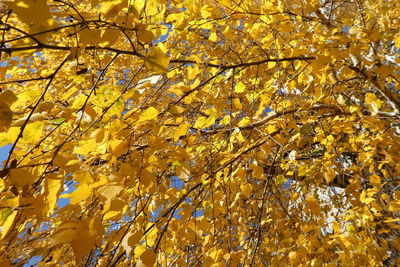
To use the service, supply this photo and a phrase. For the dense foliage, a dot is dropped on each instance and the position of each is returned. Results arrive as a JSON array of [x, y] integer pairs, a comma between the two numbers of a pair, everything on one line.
[[212, 133]]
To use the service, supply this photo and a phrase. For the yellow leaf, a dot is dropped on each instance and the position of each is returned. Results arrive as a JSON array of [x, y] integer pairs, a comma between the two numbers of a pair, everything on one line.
[[205, 122], [109, 191], [391, 220], [86, 148], [397, 41], [364, 198], [144, 35], [81, 193], [239, 88], [83, 177], [212, 112], [280, 179], [147, 178], [329, 175], [292, 85], [384, 70], [192, 72], [27, 97], [96, 227], [226, 120], [152, 159], [341, 100], [45, 106], [100, 135], [152, 7], [238, 135], [181, 130], [147, 259], [271, 128], [117, 147], [293, 257], [53, 186], [89, 36], [114, 209], [271, 65], [5, 116], [151, 236], [64, 236], [213, 37], [35, 14], [157, 60], [7, 219], [34, 118], [139, 249], [149, 114], [131, 240], [8, 97], [78, 102], [74, 53], [9, 136], [21, 177], [375, 179], [246, 189], [206, 11], [312, 204], [373, 102], [200, 122], [83, 242], [302, 170], [109, 36], [2, 185], [237, 104], [245, 121]]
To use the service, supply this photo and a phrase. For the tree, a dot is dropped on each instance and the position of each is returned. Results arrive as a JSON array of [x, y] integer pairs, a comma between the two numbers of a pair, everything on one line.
[[200, 132]]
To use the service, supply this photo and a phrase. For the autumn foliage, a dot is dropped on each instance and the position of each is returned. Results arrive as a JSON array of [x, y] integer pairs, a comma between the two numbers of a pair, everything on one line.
[[200, 133]]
